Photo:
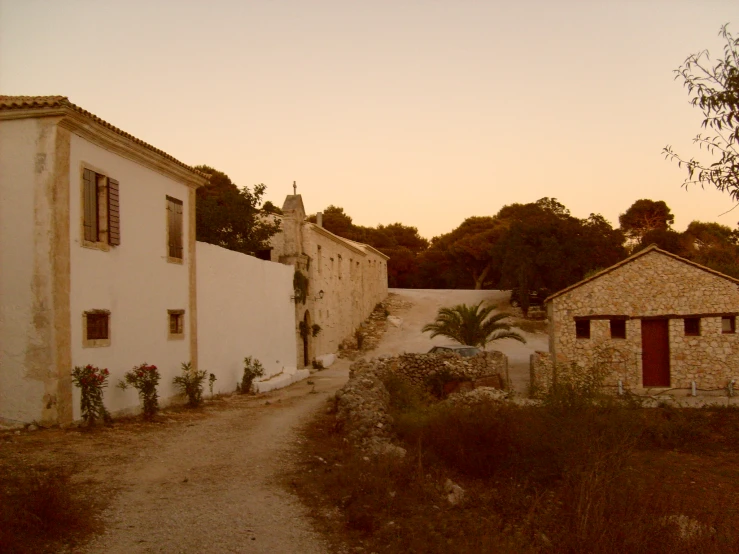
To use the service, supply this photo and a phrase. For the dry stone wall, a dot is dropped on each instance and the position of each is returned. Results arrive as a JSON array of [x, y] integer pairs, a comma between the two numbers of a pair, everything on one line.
[[653, 284], [363, 404]]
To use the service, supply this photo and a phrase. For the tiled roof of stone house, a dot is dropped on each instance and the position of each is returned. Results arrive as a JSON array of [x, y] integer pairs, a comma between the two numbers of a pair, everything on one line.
[[43, 103], [652, 248]]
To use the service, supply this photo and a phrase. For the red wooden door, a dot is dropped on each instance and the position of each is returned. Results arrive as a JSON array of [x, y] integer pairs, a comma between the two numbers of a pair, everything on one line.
[[655, 343]]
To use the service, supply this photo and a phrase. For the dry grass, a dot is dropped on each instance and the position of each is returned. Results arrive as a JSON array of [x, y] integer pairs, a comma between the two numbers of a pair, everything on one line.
[[40, 510], [578, 478]]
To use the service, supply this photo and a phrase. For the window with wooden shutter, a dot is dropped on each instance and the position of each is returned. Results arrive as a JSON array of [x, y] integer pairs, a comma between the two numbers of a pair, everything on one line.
[[114, 217], [90, 203], [174, 228]]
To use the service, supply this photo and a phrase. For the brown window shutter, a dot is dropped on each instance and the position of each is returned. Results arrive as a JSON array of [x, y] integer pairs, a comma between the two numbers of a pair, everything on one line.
[[90, 201], [114, 213], [178, 232], [174, 227]]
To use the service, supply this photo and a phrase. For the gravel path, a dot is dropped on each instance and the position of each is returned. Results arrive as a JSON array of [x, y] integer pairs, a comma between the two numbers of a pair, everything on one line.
[[212, 485]]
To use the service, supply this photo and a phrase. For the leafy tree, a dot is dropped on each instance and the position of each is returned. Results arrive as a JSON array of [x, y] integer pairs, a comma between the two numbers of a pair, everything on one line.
[[471, 325], [544, 247], [643, 216], [712, 245], [714, 88], [270, 208], [666, 239], [228, 216], [468, 250]]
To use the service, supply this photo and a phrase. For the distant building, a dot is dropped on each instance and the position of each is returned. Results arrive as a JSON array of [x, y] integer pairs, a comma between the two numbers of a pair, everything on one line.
[[346, 279]]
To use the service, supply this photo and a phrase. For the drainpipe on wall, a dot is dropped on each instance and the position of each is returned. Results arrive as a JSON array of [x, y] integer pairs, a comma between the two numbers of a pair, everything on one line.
[[319, 219]]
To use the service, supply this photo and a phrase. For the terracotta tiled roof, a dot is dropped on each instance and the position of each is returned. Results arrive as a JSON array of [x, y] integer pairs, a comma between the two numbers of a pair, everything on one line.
[[38, 102]]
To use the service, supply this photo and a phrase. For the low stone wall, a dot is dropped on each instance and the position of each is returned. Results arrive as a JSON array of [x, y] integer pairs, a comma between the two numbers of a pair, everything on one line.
[[541, 373], [416, 368], [362, 405]]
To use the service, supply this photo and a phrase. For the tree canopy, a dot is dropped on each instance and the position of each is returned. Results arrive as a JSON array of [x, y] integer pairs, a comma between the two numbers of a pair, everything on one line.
[[644, 216], [714, 89], [229, 217]]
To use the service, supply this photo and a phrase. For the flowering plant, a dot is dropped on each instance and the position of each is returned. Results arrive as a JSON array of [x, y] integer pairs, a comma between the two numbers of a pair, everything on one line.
[[144, 378], [91, 380]]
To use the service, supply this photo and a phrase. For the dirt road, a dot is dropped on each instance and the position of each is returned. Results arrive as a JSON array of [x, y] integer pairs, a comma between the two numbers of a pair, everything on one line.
[[210, 480], [211, 485]]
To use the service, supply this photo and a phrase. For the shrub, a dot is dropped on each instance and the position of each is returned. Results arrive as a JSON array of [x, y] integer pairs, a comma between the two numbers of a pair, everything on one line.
[[91, 381], [211, 381], [253, 368], [39, 505], [144, 378], [190, 384]]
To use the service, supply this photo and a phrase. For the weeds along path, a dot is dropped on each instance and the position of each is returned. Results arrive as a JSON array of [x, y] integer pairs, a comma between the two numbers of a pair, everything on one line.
[[212, 485]]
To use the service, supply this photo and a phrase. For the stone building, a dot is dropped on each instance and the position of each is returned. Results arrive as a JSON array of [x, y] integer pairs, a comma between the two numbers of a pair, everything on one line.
[[654, 320], [345, 280]]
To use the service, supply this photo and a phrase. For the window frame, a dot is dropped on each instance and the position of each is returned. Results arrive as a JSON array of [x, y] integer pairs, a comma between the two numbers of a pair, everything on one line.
[[582, 329], [732, 323], [175, 229], [689, 322], [106, 211], [175, 315], [95, 342], [620, 324]]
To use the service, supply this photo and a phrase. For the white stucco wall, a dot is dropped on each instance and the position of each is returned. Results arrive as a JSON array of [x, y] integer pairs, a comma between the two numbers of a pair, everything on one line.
[[20, 280], [244, 309], [133, 280]]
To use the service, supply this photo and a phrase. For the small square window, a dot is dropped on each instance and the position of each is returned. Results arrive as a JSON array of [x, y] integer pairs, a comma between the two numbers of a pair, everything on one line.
[[582, 329], [176, 324], [728, 324], [96, 328], [692, 326], [618, 328]]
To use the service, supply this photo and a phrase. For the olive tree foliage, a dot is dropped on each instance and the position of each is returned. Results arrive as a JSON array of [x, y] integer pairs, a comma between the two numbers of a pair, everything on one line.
[[228, 216], [714, 89]]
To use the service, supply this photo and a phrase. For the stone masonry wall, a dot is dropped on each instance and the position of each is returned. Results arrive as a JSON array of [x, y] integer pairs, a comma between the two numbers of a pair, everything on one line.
[[363, 403], [653, 284]]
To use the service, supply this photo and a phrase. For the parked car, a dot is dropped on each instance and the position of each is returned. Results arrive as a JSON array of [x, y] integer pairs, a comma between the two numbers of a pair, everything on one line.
[[461, 349], [536, 297]]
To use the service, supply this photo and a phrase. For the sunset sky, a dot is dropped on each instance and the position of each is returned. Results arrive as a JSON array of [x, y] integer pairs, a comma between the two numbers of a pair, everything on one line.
[[420, 112]]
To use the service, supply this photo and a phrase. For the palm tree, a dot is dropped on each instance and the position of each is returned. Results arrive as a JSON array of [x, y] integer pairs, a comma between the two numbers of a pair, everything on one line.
[[471, 325]]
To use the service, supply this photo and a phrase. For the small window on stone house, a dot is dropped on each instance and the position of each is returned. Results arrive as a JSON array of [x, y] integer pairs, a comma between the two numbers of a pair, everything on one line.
[[728, 324], [582, 328], [339, 266], [319, 259], [618, 328], [692, 326]]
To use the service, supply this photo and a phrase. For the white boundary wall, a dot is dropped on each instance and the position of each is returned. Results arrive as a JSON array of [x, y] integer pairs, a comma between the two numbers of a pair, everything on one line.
[[244, 309]]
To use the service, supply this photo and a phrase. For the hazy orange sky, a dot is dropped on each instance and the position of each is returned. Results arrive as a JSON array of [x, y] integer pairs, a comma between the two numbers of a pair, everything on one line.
[[423, 112]]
